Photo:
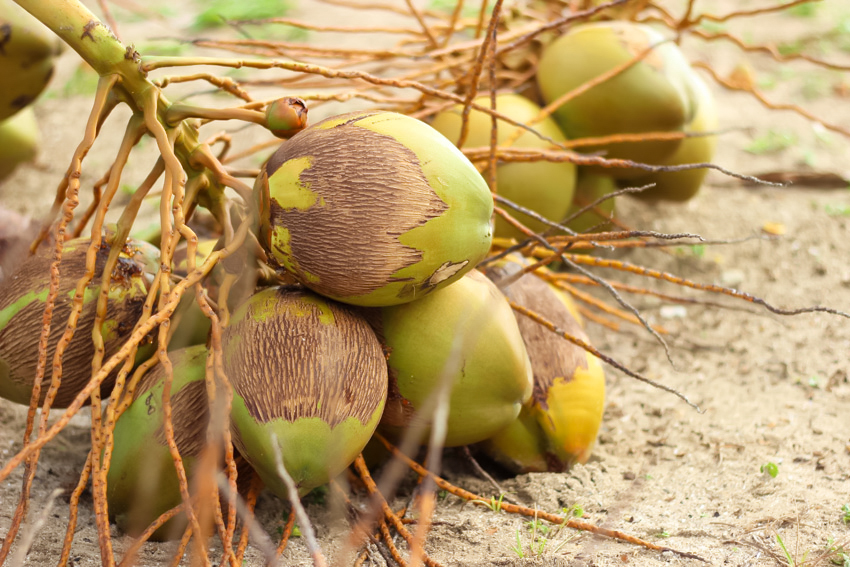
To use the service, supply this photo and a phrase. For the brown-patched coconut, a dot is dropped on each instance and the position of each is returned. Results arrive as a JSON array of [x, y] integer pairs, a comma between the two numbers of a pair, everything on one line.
[[309, 372], [22, 299], [373, 208]]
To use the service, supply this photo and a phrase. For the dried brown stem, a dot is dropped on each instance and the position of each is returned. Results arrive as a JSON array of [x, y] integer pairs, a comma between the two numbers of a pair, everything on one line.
[[524, 511]]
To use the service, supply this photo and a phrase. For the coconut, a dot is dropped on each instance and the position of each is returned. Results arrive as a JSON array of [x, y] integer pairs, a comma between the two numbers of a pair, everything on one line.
[[559, 424], [652, 95], [311, 373], [684, 185], [590, 187], [490, 379], [542, 186], [22, 300], [19, 140], [373, 208], [142, 482], [26, 58]]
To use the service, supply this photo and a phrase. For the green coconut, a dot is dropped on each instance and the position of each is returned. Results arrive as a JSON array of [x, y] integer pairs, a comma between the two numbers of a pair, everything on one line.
[[559, 424], [590, 187], [373, 208], [142, 482], [684, 185], [653, 95], [193, 325], [308, 371], [19, 140], [542, 186], [27, 52], [22, 300], [489, 381]]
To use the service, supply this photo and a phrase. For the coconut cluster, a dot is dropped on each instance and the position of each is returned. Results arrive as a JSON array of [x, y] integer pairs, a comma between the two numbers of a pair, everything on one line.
[[659, 94], [381, 221]]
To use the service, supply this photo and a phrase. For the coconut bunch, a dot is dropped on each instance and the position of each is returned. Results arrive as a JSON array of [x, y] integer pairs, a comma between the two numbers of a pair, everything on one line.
[[616, 82], [380, 220]]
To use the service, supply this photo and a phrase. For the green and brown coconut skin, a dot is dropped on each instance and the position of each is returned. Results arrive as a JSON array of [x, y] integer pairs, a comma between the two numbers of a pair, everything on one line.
[[22, 299], [308, 371], [489, 382], [27, 51], [544, 187], [653, 95], [373, 208], [684, 185], [142, 482], [559, 424]]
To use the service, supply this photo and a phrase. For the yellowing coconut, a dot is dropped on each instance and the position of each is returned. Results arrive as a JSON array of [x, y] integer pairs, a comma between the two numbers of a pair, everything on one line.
[[544, 187], [684, 185], [558, 426], [373, 208], [650, 96]]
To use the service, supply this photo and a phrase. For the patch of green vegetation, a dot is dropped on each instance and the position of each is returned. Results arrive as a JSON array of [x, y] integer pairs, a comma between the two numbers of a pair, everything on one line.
[[713, 27], [837, 210], [807, 10], [163, 48], [82, 83], [663, 534], [772, 142], [574, 511], [215, 13], [493, 504], [770, 468], [318, 495], [845, 514], [448, 6], [791, 48], [815, 87], [767, 82], [790, 561]]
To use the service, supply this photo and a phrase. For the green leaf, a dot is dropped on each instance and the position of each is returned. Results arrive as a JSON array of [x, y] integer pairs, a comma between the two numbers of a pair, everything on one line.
[[217, 12]]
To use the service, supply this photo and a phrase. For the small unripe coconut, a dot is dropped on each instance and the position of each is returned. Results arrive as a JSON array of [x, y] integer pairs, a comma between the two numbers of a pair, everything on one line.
[[544, 187], [286, 116], [559, 424], [373, 208], [650, 96], [590, 187], [22, 300], [309, 371], [27, 51], [489, 381], [19, 140], [684, 185], [142, 483]]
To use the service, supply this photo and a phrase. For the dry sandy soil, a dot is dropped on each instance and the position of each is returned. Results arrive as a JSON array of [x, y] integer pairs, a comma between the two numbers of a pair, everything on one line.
[[772, 389]]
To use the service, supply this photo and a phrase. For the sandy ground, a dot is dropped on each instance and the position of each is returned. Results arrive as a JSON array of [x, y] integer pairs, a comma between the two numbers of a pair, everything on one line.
[[772, 389]]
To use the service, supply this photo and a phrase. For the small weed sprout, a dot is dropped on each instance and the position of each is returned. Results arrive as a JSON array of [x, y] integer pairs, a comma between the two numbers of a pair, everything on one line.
[[770, 468], [494, 504]]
